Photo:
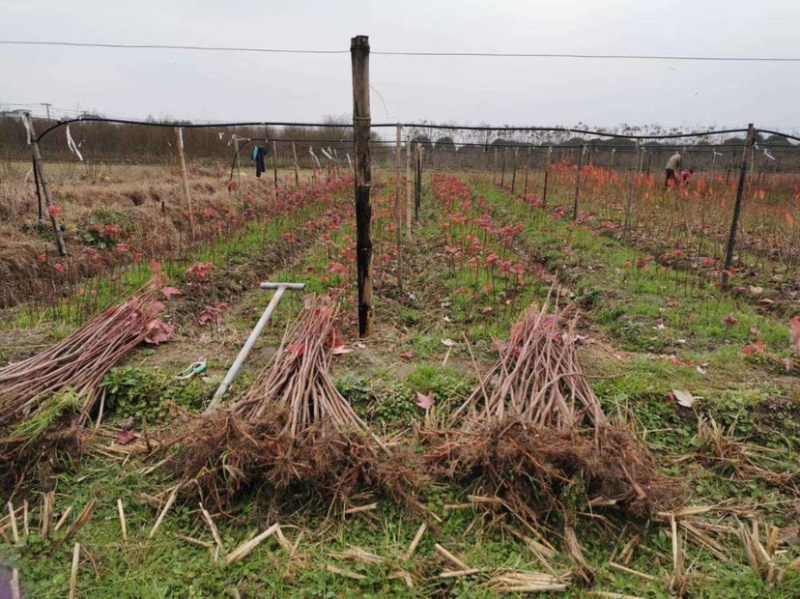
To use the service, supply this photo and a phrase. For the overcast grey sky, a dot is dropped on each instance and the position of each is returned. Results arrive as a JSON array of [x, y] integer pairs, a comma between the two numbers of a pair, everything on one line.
[[522, 91]]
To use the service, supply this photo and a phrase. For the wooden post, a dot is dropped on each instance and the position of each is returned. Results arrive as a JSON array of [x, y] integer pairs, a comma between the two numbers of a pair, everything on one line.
[[397, 207], [418, 191], [494, 174], [408, 188], [730, 166], [527, 169], [514, 173], [713, 161], [38, 163], [753, 160], [503, 170], [546, 173], [749, 142], [238, 170], [275, 166], [578, 184], [39, 199], [185, 176], [296, 171], [636, 168], [336, 163], [359, 54]]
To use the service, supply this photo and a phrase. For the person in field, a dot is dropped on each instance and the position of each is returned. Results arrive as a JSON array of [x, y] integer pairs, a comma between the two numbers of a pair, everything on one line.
[[686, 176], [674, 163]]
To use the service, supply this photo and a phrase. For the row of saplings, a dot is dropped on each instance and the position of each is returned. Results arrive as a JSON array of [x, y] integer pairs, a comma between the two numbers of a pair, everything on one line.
[[532, 429]]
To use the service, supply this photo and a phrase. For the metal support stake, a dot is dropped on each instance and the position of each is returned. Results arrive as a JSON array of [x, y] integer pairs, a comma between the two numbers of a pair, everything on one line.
[[251, 340]]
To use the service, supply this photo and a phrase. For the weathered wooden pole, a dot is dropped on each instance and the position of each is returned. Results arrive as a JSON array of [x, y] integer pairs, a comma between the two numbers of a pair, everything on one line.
[[38, 163], [275, 166], [514, 172], [408, 188], [546, 174], [296, 168], [578, 184], [39, 198], [397, 206], [527, 170], [636, 168], [359, 54], [749, 142], [418, 191], [503, 170], [238, 171], [730, 166], [187, 196]]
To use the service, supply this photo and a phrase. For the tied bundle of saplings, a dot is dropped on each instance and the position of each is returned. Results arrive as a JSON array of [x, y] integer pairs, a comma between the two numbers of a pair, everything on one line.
[[533, 435], [292, 433], [46, 400]]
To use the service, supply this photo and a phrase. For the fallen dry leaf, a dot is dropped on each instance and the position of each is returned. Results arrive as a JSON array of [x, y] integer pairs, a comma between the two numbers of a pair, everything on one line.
[[126, 437], [425, 402], [684, 398]]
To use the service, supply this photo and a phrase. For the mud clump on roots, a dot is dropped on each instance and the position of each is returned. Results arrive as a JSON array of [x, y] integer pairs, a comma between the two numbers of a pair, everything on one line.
[[225, 456], [538, 470]]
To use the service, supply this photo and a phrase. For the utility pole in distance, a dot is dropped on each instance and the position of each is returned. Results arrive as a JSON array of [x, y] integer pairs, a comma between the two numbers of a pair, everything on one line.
[[359, 54]]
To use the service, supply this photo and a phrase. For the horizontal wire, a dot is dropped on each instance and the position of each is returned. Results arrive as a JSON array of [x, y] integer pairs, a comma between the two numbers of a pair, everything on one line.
[[168, 47], [786, 59], [595, 56], [408, 126]]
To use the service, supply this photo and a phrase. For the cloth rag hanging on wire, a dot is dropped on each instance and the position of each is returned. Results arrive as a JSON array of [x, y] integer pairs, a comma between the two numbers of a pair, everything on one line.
[[259, 154]]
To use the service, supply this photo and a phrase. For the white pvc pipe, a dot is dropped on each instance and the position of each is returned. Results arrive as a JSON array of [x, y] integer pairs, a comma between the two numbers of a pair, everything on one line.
[[251, 340]]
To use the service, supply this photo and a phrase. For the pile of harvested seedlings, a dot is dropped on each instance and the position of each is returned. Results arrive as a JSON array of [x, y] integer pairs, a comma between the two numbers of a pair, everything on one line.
[[533, 434], [64, 382], [292, 433]]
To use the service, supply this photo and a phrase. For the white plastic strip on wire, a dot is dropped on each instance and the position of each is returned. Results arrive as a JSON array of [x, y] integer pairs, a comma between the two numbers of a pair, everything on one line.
[[72, 146], [311, 151], [27, 124]]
